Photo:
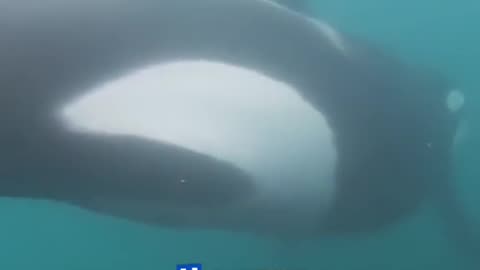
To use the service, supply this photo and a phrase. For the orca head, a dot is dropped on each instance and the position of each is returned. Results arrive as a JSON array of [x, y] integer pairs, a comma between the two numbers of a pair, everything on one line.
[[180, 112]]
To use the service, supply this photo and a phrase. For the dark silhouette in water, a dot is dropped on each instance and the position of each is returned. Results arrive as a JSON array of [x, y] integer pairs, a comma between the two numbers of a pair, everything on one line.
[[387, 138]]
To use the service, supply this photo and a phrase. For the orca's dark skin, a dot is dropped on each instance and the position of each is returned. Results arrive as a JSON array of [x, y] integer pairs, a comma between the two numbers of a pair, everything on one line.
[[459, 226], [393, 131]]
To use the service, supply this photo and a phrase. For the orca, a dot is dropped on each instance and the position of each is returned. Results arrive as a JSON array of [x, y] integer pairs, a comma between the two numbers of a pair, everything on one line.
[[239, 115]]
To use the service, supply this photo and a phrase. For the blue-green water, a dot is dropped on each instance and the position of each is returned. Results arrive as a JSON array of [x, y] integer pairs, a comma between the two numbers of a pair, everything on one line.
[[443, 34]]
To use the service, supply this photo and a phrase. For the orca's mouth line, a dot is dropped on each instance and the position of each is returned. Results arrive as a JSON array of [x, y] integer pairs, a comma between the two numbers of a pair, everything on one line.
[[228, 113]]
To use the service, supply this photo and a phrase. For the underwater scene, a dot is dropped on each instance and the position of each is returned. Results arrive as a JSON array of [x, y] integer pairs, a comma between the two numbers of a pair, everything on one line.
[[239, 135]]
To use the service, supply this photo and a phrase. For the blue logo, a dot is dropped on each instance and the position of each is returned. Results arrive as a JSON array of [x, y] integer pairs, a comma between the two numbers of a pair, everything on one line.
[[194, 266]]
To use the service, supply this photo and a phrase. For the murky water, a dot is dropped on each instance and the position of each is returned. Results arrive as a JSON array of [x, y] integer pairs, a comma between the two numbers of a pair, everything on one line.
[[42, 235]]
